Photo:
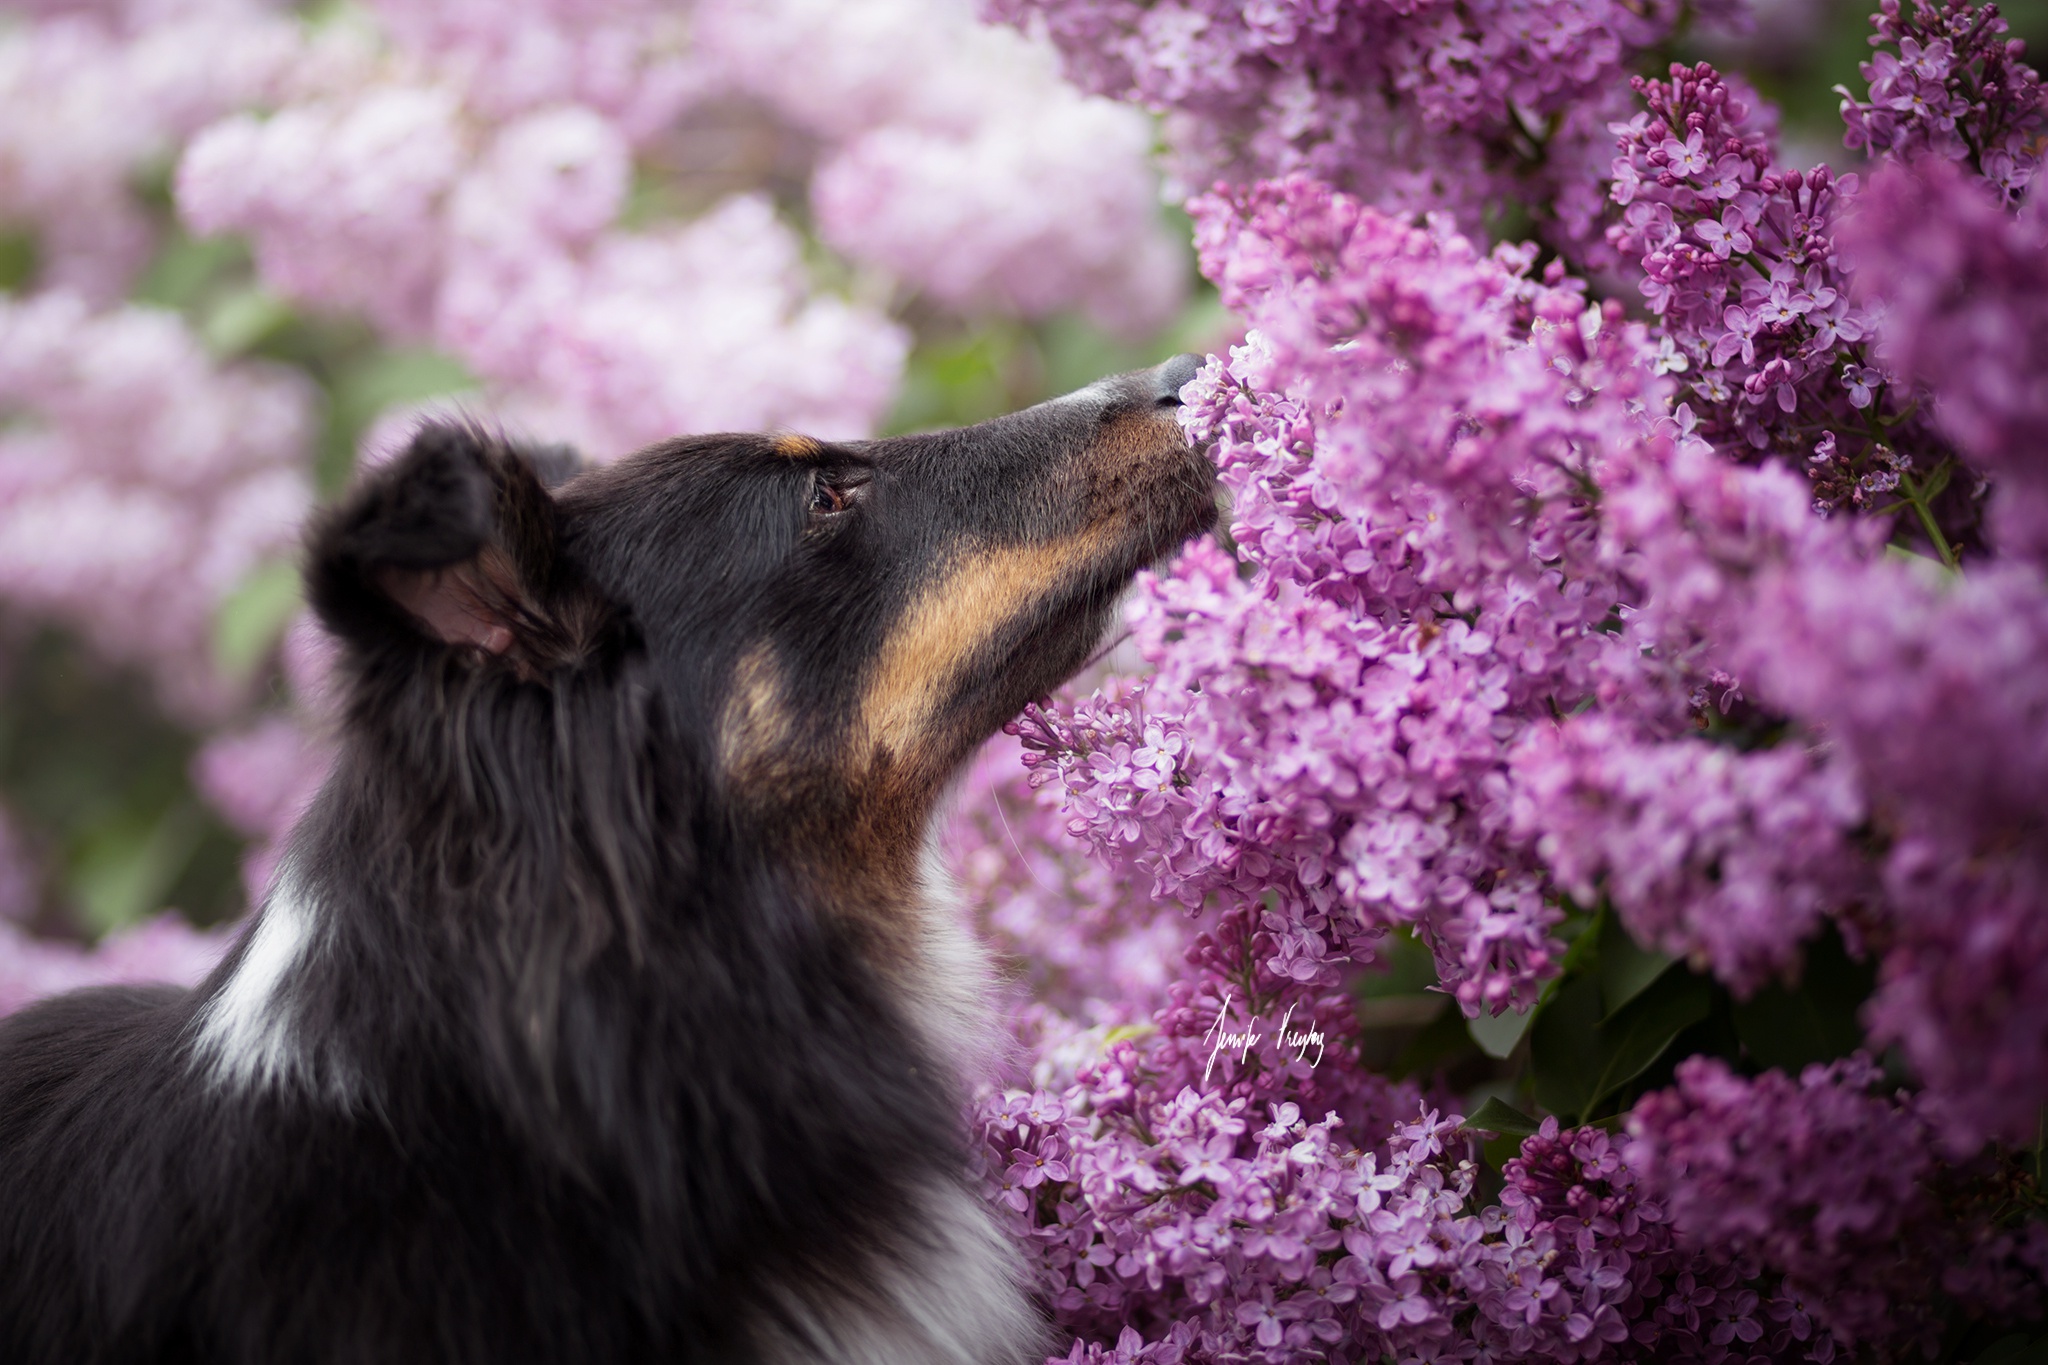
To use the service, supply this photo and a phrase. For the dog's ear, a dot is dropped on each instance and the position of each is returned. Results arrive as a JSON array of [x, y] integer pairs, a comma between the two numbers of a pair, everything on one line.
[[452, 544]]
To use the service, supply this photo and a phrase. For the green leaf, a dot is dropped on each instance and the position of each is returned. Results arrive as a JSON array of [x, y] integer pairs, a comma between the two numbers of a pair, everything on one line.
[[20, 254], [121, 873], [1638, 1034], [365, 387], [1580, 1056], [1498, 1034], [243, 320], [1816, 1021], [1565, 1050], [2015, 1349], [1938, 481], [1503, 1119], [253, 618], [1626, 970], [189, 268], [1443, 1039]]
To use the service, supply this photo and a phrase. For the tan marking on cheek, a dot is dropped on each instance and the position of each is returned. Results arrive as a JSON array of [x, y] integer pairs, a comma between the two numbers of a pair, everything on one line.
[[951, 618], [797, 447], [754, 728]]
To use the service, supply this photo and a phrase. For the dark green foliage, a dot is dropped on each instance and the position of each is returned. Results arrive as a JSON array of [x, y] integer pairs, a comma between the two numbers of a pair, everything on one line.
[[98, 780]]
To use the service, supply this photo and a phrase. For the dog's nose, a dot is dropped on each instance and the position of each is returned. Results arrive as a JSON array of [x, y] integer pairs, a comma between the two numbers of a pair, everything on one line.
[[1173, 376]]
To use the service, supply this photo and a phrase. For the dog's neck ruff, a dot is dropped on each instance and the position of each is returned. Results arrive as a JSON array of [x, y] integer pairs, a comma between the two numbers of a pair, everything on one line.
[[248, 1036]]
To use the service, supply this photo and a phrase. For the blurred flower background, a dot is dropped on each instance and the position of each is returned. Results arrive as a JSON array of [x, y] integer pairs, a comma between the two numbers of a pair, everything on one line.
[[1614, 711], [244, 245]]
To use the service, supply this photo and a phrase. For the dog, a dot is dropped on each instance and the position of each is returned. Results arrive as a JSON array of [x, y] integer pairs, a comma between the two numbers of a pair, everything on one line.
[[606, 1005]]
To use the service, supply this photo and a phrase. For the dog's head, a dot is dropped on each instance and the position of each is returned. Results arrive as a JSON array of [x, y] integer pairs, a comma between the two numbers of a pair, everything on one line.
[[817, 634]]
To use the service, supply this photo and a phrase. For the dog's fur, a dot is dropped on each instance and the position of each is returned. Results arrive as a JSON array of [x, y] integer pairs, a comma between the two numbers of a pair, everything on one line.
[[603, 1009]]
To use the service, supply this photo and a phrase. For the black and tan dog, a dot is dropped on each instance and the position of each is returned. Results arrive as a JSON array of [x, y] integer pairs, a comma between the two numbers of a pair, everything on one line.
[[605, 1008]]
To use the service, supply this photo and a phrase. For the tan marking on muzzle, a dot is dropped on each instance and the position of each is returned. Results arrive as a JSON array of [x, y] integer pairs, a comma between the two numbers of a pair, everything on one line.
[[754, 728], [920, 663]]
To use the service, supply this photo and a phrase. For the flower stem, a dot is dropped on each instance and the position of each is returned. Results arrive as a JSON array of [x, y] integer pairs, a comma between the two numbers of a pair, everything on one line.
[[1926, 515]]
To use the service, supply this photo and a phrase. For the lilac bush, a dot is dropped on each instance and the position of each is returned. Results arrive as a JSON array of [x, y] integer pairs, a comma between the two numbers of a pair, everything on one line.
[[1530, 610], [1622, 666]]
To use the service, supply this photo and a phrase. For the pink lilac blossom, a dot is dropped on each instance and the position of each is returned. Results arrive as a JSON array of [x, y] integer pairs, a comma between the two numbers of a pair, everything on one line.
[[1423, 106], [989, 183], [1834, 1186], [608, 347], [1947, 82], [165, 949], [1086, 942], [630, 60], [505, 255], [1334, 731], [469, 196], [1707, 852], [1963, 289], [140, 482], [1235, 1231], [1700, 560], [88, 103], [262, 778], [340, 199], [1935, 692], [1739, 267]]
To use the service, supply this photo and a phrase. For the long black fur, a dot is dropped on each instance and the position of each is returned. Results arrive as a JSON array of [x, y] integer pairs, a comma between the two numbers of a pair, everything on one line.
[[580, 1059]]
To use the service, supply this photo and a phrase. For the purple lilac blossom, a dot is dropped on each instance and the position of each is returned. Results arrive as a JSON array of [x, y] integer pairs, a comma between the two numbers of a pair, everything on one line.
[[1707, 852], [1234, 1231], [1335, 729], [1947, 82], [141, 482], [1755, 315], [1963, 289], [1413, 106], [163, 949], [89, 100], [1935, 692], [1834, 1186], [988, 183]]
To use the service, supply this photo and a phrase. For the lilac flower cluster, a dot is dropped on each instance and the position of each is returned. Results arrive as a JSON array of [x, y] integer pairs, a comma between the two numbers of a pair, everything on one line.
[[1333, 732], [1833, 1187], [987, 183], [503, 253], [1706, 852], [163, 949], [1413, 106], [1739, 266], [1225, 1232], [1702, 595], [1933, 692], [1092, 950], [1964, 288], [1947, 82], [140, 482], [472, 195], [88, 101]]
